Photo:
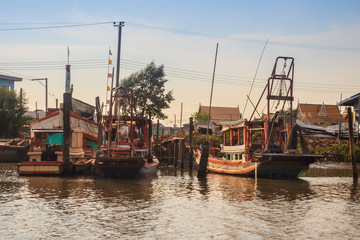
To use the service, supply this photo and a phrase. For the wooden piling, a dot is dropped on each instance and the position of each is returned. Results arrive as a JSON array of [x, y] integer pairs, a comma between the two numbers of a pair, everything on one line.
[[174, 149], [181, 152], [150, 135], [99, 125], [157, 132], [66, 132], [203, 160], [191, 154], [352, 147]]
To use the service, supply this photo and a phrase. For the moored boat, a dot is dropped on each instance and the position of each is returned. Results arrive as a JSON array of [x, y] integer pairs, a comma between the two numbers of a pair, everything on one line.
[[13, 150], [45, 154], [126, 151], [266, 147]]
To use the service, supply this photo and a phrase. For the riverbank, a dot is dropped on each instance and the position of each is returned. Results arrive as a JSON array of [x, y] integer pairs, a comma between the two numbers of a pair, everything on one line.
[[331, 164]]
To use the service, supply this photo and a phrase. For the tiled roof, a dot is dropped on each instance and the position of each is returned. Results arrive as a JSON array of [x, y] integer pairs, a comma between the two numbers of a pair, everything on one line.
[[221, 114], [319, 113]]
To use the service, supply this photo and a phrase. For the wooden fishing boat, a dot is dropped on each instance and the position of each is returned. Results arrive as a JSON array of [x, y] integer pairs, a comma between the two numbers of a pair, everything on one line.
[[45, 154], [266, 147], [126, 151], [13, 150]]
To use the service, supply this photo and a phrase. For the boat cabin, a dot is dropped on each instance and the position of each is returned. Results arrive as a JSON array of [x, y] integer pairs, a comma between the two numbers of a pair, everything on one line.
[[47, 145], [242, 138], [128, 136]]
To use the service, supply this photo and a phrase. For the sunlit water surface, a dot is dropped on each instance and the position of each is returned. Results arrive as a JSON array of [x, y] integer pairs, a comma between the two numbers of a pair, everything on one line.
[[177, 205]]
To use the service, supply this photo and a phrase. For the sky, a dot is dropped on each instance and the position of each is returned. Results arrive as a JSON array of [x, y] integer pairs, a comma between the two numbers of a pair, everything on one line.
[[322, 36]]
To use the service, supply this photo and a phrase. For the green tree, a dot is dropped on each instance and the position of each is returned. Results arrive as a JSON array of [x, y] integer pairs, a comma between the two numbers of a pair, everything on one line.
[[201, 117], [12, 109], [148, 87]]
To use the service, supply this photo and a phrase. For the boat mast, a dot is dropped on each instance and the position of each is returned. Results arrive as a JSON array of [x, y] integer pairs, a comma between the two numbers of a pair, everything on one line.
[[284, 79], [205, 149]]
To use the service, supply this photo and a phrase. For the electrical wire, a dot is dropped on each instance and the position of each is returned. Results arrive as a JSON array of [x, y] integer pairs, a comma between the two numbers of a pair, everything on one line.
[[179, 31], [54, 27], [241, 39], [171, 72]]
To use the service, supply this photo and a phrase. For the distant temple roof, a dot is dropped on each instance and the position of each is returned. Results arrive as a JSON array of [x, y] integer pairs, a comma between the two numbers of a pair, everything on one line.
[[318, 113], [221, 114]]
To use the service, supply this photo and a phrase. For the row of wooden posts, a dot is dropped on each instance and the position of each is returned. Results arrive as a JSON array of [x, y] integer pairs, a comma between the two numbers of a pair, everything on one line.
[[174, 151]]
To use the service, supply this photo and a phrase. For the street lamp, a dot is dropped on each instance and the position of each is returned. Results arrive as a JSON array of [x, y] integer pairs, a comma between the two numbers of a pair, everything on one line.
[[46, 91]]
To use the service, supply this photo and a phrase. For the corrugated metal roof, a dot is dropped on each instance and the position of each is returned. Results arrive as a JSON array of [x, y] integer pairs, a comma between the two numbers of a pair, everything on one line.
[[349, 101], [10, 78]]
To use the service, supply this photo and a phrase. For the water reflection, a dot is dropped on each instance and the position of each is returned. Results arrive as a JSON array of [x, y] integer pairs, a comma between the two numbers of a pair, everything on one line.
[[355, 192], [176, 204], [233, 188], [9, 182]]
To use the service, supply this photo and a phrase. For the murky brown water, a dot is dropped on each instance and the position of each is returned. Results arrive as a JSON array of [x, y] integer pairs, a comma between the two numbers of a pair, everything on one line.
[[177, 206]]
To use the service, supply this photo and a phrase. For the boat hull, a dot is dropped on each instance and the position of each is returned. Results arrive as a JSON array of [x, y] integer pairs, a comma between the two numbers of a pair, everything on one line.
[[81, 167], [40, 168], [230, 167], [282, 165], [267, 165], [114, 167], [12, 153], [50, 168]]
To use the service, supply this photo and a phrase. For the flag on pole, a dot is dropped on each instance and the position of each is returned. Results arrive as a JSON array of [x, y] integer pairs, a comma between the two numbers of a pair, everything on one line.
[[110, 62], [110, 75]]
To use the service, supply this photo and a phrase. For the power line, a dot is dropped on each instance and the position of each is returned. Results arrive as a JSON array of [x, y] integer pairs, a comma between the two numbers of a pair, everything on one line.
[[241, 39], [171, 72], [180, 31], [53, 27]]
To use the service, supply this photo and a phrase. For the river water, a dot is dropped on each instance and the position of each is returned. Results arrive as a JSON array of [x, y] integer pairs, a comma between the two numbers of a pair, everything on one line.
[[177, 205]]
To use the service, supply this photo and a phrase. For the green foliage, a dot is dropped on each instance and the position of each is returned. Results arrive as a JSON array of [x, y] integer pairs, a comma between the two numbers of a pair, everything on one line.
[[12, 109], [256, 135], [287, 115], [336, 152], [198, 139], [201, 117], [148, 86]]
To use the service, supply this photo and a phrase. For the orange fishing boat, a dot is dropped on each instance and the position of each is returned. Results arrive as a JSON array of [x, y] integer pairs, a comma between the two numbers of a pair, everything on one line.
[[266, 147]]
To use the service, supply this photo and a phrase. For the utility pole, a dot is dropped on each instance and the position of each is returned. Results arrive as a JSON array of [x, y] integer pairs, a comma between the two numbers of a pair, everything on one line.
[[46, 91], [67, 106], [120, 25]]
